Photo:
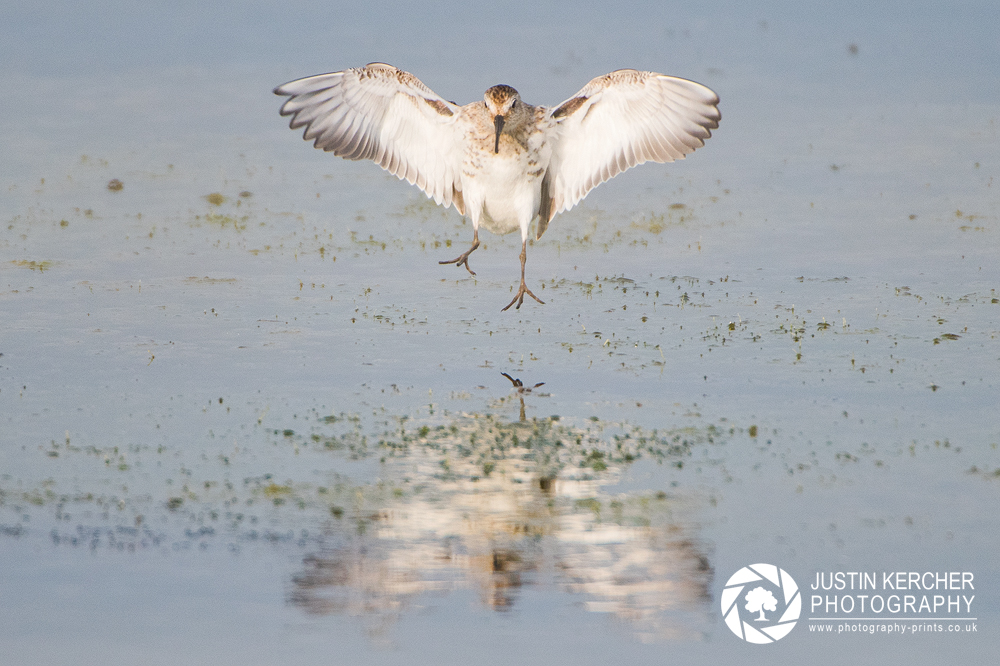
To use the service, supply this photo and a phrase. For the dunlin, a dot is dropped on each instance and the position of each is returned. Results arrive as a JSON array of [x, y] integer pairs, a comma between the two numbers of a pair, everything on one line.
[[500, 161]]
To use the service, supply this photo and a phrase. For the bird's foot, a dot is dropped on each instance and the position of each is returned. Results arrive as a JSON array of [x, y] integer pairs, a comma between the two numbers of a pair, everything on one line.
[[520, 297], [463, 259]]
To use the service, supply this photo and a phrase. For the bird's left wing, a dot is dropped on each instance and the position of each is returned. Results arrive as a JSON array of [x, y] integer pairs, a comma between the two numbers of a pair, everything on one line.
[[386, 115], [620, 120]]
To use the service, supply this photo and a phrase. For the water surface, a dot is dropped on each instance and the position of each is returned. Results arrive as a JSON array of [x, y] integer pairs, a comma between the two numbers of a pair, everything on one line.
[[245, 416]]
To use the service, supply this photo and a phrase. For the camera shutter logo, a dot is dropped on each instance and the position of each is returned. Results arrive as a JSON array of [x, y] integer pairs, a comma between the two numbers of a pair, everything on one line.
[[761, 603]]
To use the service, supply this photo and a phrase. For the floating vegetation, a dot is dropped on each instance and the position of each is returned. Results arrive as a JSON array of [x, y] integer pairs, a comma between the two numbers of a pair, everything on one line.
[[474, 445], [215, 198], [418, 458], [33, 265], [209, 280], [469, 501], [115, 185], [989, 475], [219, 219]]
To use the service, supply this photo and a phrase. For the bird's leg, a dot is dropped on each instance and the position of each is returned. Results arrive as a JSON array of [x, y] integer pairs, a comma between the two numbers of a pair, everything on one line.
[[464, 257], [524, 288]]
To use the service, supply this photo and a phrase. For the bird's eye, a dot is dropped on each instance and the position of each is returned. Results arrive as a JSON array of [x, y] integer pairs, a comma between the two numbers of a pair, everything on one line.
[[513, 105]]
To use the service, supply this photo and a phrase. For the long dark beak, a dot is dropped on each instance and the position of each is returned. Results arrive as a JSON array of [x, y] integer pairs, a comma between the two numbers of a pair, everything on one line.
[[498, 124]]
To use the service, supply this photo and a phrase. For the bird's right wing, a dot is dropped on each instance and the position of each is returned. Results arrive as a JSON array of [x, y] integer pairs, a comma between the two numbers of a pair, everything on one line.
[[381, 113]]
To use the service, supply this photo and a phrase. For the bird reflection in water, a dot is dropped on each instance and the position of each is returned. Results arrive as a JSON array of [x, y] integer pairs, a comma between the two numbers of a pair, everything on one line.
[[495, 506], [521, 390]]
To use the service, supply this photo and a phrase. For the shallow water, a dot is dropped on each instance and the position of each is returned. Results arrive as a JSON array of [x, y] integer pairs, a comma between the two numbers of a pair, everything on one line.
[[245, 416]]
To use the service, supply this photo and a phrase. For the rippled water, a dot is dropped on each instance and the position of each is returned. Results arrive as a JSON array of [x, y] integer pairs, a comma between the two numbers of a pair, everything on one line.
[[246, 417]]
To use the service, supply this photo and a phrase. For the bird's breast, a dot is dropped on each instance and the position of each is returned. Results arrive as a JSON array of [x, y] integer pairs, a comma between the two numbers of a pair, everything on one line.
[[508, 186]]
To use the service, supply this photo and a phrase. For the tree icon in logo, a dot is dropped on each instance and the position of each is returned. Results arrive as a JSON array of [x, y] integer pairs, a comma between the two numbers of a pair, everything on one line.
[[764, 587], [758, 599]]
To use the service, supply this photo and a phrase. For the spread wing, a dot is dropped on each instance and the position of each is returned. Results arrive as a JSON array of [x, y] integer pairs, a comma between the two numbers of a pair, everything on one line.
[[386, 115], [620, 120]]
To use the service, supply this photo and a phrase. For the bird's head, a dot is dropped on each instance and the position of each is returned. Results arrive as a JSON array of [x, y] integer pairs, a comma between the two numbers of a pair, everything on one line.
[[504, 104]]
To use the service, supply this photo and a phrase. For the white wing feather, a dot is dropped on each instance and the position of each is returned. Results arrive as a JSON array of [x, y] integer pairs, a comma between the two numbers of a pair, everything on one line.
[[620, 120], [386, 115]]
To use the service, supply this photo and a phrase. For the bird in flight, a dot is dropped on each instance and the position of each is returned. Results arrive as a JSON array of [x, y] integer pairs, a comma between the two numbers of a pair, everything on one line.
[[500, 161]]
